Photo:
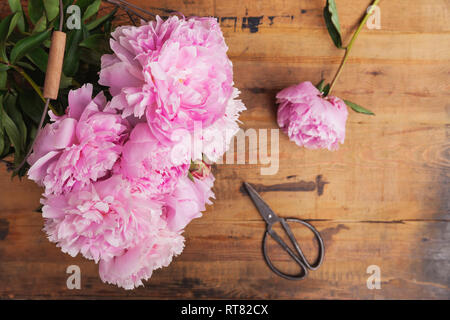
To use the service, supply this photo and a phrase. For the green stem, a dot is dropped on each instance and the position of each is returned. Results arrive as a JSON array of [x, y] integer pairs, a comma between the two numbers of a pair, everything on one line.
[[30, 81], [32, 84], [348, 48]]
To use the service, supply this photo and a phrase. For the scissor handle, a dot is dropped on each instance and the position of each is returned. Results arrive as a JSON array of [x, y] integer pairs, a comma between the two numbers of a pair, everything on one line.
[[299, 258]]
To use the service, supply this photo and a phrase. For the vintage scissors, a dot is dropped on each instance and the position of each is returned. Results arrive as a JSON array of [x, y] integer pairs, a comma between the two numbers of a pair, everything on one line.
[[271, 218]]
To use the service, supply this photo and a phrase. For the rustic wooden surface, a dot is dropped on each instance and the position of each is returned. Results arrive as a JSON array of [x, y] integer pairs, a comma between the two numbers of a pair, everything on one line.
[[387, 198]]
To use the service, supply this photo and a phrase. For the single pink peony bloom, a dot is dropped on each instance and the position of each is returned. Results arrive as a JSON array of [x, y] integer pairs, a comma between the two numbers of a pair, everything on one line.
[[174, 72], [155, 166], [79, 147], [187, 201], [311, 120], [215, 139], [101, 220], [137, 263]]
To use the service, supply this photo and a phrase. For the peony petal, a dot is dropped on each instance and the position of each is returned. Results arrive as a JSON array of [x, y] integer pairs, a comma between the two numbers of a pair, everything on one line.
[[78, 100], [117, 76], [38, 170]]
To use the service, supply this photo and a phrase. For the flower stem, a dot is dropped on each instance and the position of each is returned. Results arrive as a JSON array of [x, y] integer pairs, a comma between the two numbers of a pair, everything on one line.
[[348, 48], [32, 84]]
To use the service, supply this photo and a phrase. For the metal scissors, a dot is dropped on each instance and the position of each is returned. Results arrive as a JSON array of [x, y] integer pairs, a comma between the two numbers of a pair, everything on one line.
[[271, 218]]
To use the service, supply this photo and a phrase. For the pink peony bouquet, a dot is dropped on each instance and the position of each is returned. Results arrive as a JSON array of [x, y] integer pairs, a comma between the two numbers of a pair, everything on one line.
[[123, 178]]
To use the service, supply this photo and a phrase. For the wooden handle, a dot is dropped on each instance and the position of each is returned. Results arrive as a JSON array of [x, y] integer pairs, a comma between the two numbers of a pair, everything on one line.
[[54, 66]]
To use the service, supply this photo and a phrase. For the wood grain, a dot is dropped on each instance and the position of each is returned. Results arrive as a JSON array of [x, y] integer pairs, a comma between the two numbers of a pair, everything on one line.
[[386, 200]]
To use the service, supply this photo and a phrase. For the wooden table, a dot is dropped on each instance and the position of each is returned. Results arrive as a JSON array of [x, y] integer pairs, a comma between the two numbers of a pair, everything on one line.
[[386, 202]]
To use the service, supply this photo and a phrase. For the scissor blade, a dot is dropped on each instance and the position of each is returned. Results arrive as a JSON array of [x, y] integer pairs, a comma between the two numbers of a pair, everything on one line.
[[268, 215]]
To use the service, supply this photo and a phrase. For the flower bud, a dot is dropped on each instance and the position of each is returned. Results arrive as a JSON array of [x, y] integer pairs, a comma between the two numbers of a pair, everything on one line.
[[199, 169]]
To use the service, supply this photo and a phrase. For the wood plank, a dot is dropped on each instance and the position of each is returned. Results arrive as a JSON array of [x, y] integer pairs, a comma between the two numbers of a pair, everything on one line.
[[33, 263], [419, 16]]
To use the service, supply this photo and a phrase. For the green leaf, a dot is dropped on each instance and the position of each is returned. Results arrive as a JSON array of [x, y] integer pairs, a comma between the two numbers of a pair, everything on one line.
[[191, 177], [39, 58], [35, 10], [7, 145], [358, 108], [91, 9], [26, 65], [7, 26], [67, 3], [4, 27], [91, 57], [323, 88], [32, 134], [94, 42], [331, 17], [25, 45], [2, 139], [41, 25], [96, 23], [47, 43], [51, 9], [83, 4], [13, 111], [108, 26], [319, 86], [3, 78], [12, 25], [4, 67], [12, 131], [326, 90], [31, 105], [65, 81], [17, 7], [72, 54]]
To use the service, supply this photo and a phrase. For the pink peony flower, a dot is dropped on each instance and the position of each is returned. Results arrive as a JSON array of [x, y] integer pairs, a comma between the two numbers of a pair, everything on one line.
[[137, 263], [188, 201], [311, 120], [215, 139], [79, 147], [101, 220], [175, 72], [155, 166]]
